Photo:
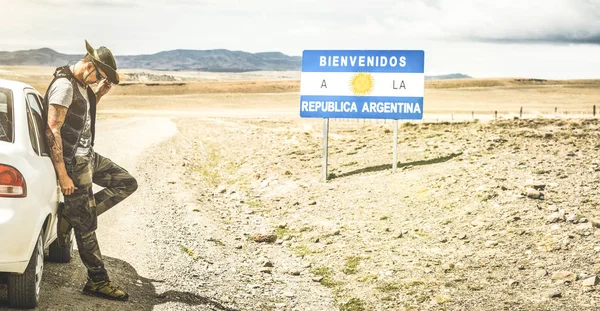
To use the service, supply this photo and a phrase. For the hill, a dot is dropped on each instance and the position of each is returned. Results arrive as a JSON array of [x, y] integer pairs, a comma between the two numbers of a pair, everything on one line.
[[176, 60]]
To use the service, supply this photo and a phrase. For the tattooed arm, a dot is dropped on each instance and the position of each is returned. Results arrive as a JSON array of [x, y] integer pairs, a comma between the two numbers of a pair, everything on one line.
[[56, 118]]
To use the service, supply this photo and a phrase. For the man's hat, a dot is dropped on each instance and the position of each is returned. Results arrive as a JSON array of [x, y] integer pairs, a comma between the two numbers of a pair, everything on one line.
[[102, 57]]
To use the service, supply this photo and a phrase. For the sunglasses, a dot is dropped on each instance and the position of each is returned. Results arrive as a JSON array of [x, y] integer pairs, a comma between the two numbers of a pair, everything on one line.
[[99, 77]]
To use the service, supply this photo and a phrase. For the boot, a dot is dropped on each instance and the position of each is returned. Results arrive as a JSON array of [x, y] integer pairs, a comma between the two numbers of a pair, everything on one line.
[[104, 289]]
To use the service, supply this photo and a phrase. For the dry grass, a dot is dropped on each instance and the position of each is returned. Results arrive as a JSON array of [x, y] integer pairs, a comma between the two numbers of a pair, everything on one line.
[[178, 88], [276, 94], [507, 83]]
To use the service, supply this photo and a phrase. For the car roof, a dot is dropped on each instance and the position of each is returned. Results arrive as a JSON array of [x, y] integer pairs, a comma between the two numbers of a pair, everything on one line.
[[14, 85]]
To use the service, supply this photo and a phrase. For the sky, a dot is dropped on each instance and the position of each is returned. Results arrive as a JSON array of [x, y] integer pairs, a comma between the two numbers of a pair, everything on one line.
[[549, 39]]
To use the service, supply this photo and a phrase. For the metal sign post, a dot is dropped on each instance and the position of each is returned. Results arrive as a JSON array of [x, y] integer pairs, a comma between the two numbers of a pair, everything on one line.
[[325, 147], [362, 84], [395, 164]]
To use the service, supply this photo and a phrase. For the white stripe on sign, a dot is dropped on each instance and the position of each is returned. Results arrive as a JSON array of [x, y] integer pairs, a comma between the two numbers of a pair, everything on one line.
[[362, 84]]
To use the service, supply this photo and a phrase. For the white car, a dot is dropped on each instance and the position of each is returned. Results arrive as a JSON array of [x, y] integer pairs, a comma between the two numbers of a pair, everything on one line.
[[29, 196]]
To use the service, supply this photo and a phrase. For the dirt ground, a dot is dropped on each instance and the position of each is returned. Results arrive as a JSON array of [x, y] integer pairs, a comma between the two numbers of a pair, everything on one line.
[[452, 229], [232, 214]]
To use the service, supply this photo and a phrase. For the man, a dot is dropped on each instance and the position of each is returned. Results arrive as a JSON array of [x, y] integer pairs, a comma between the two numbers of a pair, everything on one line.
[[70, 135]]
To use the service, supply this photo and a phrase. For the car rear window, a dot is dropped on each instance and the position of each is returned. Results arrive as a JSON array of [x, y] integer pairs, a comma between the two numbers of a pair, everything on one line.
[[6, 115]]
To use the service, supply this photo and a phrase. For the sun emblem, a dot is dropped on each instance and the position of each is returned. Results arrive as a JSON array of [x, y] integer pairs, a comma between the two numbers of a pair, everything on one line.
[[362, 83]]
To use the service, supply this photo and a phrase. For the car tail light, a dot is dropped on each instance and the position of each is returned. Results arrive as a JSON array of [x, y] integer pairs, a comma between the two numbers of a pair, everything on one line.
[[12, 183]]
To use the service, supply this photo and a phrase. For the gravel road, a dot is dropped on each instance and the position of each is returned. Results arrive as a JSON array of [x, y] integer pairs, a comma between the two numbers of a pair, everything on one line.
[[144, 242]]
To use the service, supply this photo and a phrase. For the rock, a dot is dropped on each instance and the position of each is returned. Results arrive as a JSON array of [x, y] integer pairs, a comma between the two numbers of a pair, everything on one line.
[[313, 202], [534, 194], [317, 279], [399, 235], [554, 294], [443, 240], [491, 243], [264, 238], [295, 272], [279, 242], [555, 227], [266, 270], [572, 218], [221, 189], [289, 294], [448, 267], [282, 225], [564, 276], [541, 273], [556, 217], [585, 226], [593, 281], [404, 231], [513, 283], [239, 246], [267, 264], [462, 236], [583, 220], [521, 267], [336, 232]]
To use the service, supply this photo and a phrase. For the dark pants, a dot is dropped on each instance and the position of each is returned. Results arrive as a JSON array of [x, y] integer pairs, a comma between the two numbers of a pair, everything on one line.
[[82, 207]]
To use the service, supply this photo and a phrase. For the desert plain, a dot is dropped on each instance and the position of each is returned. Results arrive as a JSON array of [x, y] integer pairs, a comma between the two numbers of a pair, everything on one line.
[[494, 204]]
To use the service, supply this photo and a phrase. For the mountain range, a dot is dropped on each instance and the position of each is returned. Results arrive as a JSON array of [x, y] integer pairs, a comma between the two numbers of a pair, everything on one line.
[[220, 60], [174, 60]]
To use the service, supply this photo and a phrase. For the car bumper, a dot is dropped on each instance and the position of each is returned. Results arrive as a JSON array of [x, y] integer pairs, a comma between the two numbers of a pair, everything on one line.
[[20, 225]]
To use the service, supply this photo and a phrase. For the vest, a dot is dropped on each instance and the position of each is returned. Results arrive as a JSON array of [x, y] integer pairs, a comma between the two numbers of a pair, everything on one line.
[[72, 128]]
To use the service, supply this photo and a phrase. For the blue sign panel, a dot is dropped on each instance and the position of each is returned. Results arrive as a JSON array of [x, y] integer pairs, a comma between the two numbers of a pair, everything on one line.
[[362, 84]]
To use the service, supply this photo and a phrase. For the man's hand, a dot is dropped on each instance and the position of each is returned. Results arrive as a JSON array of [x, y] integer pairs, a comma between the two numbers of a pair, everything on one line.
[[66, 185], [103, 88]]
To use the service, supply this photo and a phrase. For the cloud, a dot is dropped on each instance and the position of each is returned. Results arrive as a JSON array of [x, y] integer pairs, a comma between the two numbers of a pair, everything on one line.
[[534, 21], [550, 38], [90, 3]]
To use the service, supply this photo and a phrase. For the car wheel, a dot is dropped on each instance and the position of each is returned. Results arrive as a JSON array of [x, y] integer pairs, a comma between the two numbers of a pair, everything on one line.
[[24, 289], [57, 253]]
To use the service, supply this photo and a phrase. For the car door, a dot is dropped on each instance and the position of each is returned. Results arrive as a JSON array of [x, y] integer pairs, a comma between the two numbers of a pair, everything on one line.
[[48, 190]]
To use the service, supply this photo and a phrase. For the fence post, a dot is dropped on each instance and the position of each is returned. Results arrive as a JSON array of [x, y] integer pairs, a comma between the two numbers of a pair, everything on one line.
[[521, 113], [555, 110], [473, 114], [594, 110], [496, 114]]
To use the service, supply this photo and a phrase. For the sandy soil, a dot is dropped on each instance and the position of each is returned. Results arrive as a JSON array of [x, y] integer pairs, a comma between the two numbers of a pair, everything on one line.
[[453, 229], [231, 213], [459, 226]]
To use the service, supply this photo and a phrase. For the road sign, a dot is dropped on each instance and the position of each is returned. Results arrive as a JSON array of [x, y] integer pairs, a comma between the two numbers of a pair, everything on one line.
[[362, 84]]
